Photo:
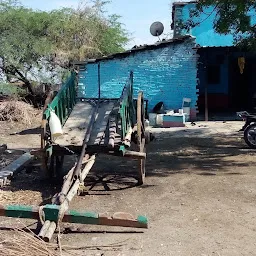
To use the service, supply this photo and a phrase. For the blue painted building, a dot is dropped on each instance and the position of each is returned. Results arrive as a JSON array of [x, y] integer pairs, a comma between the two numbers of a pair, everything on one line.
[[204, 32], [166, 71], [221, 81], [197, 63]]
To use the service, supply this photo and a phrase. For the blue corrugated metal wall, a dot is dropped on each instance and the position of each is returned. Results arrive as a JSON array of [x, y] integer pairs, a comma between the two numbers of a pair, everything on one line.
[[166, 74]]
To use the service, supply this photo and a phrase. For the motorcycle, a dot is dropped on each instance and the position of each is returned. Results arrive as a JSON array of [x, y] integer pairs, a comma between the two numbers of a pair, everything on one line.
[[249, 128]]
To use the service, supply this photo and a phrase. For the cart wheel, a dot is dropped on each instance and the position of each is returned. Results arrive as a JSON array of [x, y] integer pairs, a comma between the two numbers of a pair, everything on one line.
[[141, 136]]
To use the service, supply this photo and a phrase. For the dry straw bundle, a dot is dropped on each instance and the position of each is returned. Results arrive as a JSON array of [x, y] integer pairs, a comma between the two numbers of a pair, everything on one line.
[[17, 111], [26, 244]]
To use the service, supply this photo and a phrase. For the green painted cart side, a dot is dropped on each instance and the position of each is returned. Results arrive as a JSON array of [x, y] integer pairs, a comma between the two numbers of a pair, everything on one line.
[[64, 101], [123, 124]]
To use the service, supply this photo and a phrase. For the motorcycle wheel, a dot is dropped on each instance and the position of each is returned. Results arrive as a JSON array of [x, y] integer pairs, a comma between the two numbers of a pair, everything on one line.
[[250, 135]]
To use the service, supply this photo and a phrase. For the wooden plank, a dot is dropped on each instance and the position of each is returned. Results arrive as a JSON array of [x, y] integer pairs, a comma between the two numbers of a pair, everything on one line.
[[76, 125], [101, 124], [98, 132], [105, 137], [87, 136], [14, 167]]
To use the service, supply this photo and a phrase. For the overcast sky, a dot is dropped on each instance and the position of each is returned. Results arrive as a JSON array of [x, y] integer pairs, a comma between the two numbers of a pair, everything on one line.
[[137, 15]]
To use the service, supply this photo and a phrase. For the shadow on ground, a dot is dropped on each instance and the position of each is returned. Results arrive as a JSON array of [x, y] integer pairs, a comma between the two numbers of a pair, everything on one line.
[[167, 155], [36, 130]]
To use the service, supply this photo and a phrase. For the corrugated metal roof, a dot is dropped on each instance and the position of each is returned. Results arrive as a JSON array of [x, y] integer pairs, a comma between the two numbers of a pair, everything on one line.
[[135, 49], [206, 47], [185, 2]]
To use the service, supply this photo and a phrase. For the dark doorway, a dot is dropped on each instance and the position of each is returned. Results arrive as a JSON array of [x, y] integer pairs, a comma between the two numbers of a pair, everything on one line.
[[242, 86]]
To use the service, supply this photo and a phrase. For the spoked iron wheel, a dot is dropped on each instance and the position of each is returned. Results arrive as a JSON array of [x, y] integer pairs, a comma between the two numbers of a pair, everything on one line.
[[141, 141], [250, 135]]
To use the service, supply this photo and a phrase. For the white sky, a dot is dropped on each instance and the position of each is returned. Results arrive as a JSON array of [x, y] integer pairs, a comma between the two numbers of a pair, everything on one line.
[[137, 15]]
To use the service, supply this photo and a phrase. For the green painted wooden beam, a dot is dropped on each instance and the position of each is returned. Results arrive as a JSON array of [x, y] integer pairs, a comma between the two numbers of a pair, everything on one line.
[[51, 213]]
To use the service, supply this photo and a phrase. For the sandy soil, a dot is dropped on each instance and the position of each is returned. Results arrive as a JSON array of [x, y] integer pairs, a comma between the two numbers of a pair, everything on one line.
[[18, 136], [198, 196]]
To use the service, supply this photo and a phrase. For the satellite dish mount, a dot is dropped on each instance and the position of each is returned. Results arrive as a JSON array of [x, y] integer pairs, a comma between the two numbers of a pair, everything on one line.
[[157, 29]]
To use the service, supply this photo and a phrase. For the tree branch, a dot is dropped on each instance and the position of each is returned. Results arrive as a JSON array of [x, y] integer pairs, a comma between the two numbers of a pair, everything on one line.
[[25, 80]]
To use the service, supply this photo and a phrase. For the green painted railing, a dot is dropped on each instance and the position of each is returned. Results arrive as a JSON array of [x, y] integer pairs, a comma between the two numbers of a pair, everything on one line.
[[127, 112], [64, 101]]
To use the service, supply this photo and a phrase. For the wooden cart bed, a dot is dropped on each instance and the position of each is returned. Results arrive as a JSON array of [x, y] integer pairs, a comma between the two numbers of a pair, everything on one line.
[[76, 125]]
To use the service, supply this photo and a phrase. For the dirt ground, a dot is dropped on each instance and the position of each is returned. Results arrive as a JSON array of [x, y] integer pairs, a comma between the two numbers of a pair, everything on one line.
[[198, 196]]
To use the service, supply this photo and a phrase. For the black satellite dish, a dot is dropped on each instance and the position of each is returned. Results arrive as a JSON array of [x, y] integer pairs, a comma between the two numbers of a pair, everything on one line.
[[157, 29]]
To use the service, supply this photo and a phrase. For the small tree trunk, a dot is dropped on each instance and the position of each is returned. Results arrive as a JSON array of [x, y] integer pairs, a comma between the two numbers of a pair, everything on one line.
[[48, 100], [26, 81], [29, 87]]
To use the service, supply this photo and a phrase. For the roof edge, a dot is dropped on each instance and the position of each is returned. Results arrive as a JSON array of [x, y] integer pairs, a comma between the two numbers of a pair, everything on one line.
[[136, 49], [185, 3]]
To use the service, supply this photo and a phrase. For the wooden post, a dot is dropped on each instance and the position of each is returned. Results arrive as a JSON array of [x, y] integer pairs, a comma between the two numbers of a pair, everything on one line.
[[99, 80], [72, 192], [67, 199], [44, 229], [134, 154], [65, 188], [50, 231], [112, 131], [206, 114]]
